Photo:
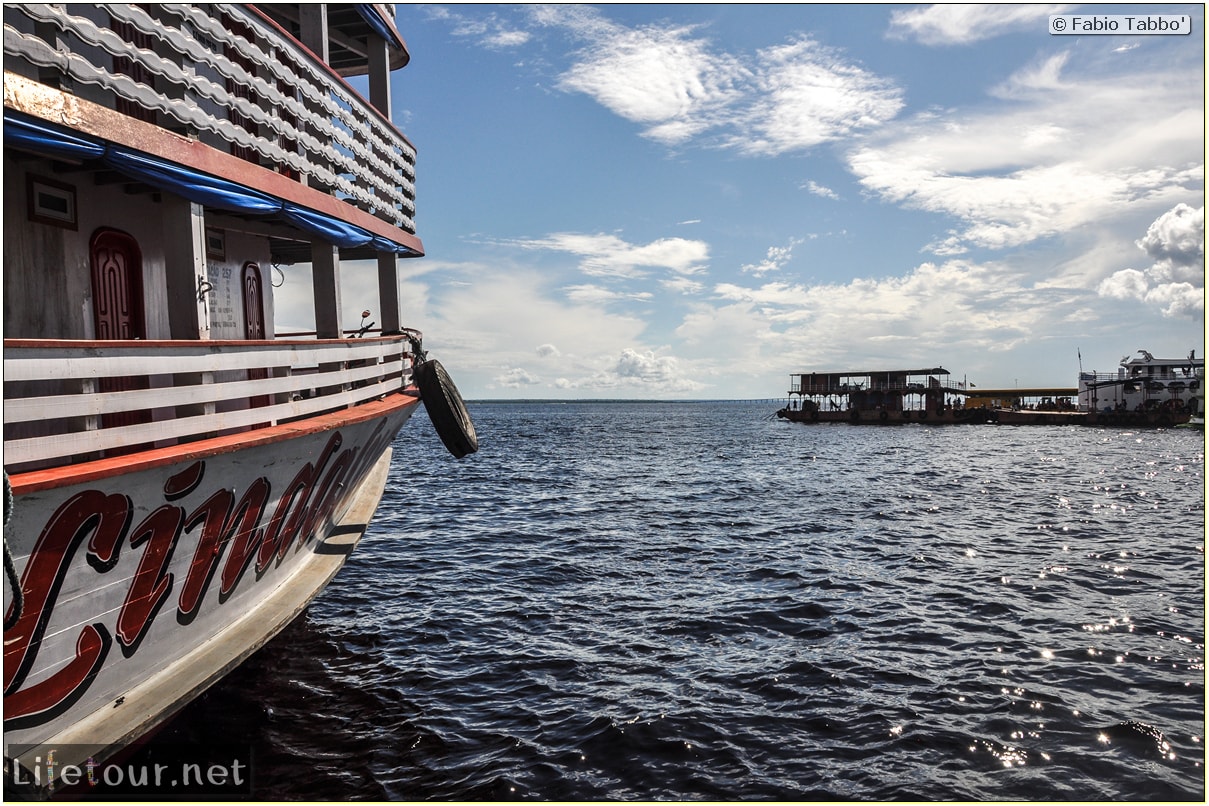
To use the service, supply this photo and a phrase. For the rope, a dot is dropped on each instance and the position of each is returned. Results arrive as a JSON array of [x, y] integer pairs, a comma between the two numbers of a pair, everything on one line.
[[10, 568]]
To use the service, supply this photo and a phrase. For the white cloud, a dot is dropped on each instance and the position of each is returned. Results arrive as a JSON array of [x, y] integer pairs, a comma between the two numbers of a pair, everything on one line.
[[506, 327], [774, 260], [490, 30], [1175, 284], [515, 378], [1064, 153], [1178, 300], [820, 190], [1125, 284], [680, 86], [981, 318], [1068, 157], [682, 285], [511, 316], [1176, 240], [1045, 74], [934, 302], [659, 77], [662, 373], [806, 94], [606, 255], [597, 295], [960, 23]]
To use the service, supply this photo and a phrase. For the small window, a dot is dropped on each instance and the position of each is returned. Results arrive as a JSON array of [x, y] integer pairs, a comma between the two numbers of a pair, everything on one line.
[[52, 202]]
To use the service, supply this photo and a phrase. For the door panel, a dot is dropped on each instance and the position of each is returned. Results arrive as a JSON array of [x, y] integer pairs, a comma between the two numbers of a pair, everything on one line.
[[117, 297], [253, 317]]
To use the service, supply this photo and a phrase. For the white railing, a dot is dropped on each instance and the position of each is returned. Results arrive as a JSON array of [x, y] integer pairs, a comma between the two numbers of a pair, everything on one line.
[[66, 403], [289, 109]]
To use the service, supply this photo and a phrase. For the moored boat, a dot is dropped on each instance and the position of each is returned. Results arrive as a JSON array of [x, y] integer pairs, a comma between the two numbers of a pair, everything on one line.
[[881, 397], [1029, 406], [1145, 391], [185, 479]]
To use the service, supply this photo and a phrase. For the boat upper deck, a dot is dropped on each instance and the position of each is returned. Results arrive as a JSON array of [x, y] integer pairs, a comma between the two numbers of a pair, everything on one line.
[[1008, 397], [917, 381], [241, 108]]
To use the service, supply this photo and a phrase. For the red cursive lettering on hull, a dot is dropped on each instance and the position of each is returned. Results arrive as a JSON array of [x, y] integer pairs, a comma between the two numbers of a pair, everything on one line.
[[101, 522], [101, 518]]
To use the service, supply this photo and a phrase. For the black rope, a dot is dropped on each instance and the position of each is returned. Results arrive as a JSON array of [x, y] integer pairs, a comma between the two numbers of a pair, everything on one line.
[[10, 568]]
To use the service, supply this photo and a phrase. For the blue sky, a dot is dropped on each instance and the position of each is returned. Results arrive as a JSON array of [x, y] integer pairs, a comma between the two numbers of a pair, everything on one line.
[[695, 201]]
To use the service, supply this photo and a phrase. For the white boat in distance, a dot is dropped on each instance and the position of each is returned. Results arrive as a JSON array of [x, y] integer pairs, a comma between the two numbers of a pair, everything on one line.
[[1156, 389], [184, 479]]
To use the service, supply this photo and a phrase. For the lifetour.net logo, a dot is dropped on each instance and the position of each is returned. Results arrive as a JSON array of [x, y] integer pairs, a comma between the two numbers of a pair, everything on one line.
[[166, 772]]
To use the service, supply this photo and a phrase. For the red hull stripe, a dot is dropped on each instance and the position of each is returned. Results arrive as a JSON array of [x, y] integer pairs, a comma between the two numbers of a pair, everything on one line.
[[38, 480]]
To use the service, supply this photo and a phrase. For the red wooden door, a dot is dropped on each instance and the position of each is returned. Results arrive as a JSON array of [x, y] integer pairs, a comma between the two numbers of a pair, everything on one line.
[[117, 304], [117, 286], [253, 302], [253, 318]]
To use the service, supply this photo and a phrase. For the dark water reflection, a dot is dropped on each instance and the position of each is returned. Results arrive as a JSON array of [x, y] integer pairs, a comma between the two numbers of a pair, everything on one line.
[[694, 601]]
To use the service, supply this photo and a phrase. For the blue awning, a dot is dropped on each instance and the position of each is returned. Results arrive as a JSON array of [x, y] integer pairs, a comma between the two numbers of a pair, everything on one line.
[[332, 230], [196, 187], [373, 18], [32, 134]]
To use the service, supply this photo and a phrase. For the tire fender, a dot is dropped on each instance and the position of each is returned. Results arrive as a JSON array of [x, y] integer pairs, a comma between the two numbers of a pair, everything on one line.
[[446, 409]]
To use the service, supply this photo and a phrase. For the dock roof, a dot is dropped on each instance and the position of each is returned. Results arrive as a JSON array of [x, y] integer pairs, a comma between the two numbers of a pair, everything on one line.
[[933, 371], [1035, 391]]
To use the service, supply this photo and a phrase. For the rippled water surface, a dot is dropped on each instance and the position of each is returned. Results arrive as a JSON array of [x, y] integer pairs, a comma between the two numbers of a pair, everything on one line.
[[696, 601]]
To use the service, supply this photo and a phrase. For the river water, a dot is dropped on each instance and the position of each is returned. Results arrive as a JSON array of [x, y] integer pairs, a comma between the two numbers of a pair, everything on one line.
[[697, 601]]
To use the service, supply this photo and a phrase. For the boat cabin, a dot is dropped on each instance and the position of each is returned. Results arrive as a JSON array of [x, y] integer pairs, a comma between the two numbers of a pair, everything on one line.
[[170, 172], [1144, 383], [1050, 398], [895, 390]]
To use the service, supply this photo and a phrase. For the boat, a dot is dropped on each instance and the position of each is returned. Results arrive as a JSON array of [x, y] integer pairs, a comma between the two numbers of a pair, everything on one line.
[[1029, 406], [1196, 406], [1144, 391], [181, 478], [881, 397]]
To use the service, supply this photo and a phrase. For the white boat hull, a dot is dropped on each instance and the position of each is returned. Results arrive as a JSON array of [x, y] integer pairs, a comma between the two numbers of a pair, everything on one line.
[[142, 585]]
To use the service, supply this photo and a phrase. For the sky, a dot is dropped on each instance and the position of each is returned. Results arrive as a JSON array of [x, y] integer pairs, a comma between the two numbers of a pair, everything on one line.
[[696, 201]]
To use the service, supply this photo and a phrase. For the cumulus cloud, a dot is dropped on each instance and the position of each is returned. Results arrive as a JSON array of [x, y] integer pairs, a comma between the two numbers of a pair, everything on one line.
[[496, 319], [1125, 284], [646, 369], [515, 378], [507, 327], [934, 303], [1175, 283], [1176, 241], [961, 24]]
